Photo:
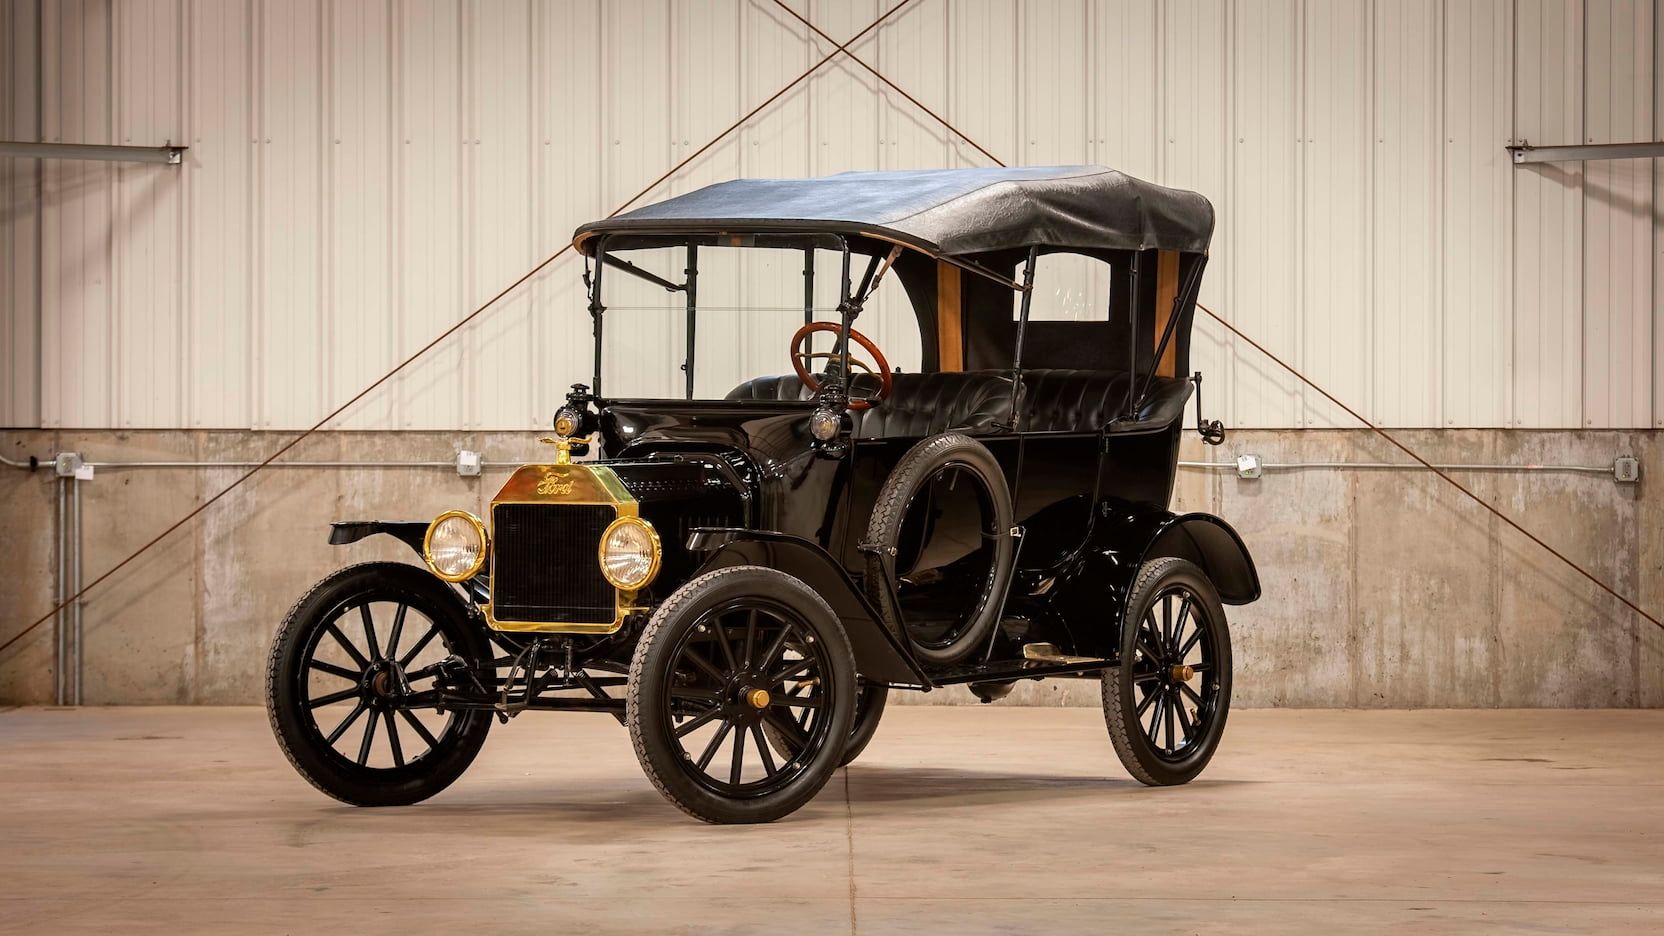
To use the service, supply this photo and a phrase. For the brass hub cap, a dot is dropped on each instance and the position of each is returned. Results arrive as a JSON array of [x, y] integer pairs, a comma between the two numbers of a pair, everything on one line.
[[1182, 673], [758, 698]]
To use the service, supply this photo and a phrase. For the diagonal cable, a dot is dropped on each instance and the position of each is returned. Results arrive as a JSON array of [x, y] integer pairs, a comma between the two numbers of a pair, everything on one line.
[[284, 449], [1429, 466], [890, 84]]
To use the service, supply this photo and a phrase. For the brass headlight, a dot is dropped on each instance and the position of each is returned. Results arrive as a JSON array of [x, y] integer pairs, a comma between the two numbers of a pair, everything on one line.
[[455, 545], [630, 553], [567, 423]]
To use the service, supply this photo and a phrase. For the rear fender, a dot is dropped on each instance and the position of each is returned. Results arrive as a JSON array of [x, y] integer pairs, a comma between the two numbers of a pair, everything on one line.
[[879, 656], [1090, 593]]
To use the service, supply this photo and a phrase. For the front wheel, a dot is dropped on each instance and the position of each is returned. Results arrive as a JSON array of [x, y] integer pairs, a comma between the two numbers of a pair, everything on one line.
[[1166, 702], [346, 669], [729, 654]]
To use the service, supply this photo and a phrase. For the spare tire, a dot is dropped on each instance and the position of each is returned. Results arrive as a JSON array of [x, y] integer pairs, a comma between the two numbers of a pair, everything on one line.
[[937, 552]]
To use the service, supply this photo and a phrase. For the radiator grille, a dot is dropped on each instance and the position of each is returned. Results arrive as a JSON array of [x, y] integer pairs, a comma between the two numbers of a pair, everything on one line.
[[544, 566]]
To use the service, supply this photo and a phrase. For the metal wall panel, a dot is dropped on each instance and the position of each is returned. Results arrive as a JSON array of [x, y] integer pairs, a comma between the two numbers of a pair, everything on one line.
[[291, 354], [1618, 300], [1478, 179], [1334, 148], [1263, 209], [427, 289], [78, 227], [501, 212], [361, 176], [1404, 215], [359, 205], [148, 310], [1548, 218], [220, 200], [20, 186]]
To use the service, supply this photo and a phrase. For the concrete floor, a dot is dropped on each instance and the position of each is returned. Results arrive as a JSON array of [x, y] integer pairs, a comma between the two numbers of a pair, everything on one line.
[[989, 819]]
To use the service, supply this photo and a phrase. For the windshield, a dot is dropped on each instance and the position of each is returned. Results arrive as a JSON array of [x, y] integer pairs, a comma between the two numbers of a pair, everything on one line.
[[748, 302]]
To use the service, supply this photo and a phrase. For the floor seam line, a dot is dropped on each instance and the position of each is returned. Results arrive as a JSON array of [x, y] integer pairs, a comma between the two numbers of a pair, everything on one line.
[[849, 837]]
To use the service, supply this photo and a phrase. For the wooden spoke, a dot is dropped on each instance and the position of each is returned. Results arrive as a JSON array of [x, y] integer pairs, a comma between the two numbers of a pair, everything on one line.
[[1184, 718], [370, 632], [369, 736], [398, 628], [419, 728], [701, 662], [719, 635], [762, 749], [739, 757], [393, 742], [695, 723], [352, 716], [352, 651], [333, 698], [750, 636], [794, 668], [433, 631], [333, 670], [716, 742], [1185, 688]]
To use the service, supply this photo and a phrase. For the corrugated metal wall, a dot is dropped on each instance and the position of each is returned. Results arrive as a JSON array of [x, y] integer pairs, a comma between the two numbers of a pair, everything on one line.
[[362, 174]]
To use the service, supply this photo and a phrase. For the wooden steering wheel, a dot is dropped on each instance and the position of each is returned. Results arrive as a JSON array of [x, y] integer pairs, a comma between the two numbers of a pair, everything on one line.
[[801, 356]]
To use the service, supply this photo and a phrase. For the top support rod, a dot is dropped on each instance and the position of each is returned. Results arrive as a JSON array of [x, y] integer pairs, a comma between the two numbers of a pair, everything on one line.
[[1526, 153], [168, 154]]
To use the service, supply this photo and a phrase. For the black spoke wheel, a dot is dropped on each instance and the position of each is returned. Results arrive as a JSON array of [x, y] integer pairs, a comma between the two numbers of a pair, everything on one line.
[[1166, 702], [730, 654], [347, 674]]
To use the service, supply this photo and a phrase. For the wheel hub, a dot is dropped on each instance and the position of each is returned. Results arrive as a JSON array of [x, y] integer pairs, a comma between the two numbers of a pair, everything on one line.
[[1181, 672], [383, 683]]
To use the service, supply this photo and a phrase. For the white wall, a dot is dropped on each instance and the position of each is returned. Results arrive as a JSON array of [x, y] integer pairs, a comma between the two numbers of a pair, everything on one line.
[[362, 174]]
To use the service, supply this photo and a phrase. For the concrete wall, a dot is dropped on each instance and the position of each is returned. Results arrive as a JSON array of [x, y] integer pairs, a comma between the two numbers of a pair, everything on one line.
[[1382, 588]]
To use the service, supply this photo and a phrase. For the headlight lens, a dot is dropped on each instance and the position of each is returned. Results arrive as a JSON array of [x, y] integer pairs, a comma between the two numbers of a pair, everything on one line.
[[630, 553], [455, 545]]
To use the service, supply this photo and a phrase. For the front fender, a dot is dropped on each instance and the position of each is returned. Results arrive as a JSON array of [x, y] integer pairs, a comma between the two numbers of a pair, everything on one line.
[[879, 656], [408, 532]]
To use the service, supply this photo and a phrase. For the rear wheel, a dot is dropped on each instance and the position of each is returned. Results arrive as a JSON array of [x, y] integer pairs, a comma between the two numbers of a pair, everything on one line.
[[1166, 702], [344, 662], [730, 653]]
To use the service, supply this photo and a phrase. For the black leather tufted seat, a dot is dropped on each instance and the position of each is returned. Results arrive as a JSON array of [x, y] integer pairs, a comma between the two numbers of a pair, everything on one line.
[[1088, 400], [975, 402], [979, 402]]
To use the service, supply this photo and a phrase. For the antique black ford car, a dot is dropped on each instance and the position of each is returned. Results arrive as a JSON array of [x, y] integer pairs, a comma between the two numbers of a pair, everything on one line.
[[742, 581]]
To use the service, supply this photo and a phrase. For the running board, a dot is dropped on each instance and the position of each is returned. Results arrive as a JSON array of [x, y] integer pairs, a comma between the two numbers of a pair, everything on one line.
[[1048, 653]]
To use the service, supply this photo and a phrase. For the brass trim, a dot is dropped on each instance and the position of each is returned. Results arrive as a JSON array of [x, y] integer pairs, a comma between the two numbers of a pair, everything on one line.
[[577, 485], [652, 568], [479, 528]]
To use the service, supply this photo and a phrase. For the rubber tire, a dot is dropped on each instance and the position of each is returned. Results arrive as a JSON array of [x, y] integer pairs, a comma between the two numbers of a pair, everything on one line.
[[644, 708], [915, 468], [316, 760], [1137, 755], [869, 708]]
